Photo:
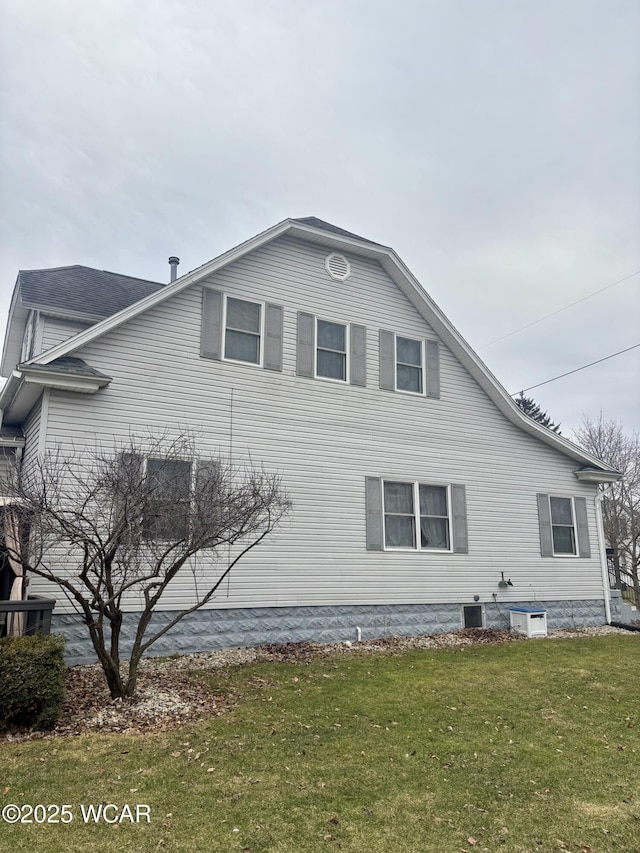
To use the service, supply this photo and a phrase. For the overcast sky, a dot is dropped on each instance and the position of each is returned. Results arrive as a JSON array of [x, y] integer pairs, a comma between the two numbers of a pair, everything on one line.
[[494, 144]]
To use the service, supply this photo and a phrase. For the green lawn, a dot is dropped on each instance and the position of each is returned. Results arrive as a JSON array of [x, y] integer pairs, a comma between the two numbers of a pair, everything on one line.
[[530, 746]]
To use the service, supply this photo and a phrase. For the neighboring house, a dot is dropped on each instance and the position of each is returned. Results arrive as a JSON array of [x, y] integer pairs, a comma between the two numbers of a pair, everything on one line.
[[416, 481]]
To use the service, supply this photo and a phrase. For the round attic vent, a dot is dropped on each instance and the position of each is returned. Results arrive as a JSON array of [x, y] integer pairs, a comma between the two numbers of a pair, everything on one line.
[[338, 267]]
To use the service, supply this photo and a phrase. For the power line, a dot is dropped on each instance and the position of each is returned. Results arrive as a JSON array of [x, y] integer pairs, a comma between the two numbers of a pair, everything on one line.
[[584, 367], [560, 310]]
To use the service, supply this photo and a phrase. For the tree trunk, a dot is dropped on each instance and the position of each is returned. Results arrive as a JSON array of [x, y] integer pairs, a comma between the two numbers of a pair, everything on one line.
[[110, 666], [117, 687]]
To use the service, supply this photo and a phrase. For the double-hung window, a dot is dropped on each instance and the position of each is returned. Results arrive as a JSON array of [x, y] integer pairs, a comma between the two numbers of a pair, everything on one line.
[[417, 516], [166, 511], [434, 517], [332, 348], [333, 351], [243, 331], [409, 365], [399, 515], [563, 528]]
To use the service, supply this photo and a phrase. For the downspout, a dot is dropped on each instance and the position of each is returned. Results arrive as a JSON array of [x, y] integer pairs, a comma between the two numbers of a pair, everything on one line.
[[603, 553]]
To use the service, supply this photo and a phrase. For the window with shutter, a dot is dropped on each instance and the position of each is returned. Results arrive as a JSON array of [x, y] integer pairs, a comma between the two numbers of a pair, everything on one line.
[[421, 516], [563, 525], [241, 330], [409, 365], [329, 350]]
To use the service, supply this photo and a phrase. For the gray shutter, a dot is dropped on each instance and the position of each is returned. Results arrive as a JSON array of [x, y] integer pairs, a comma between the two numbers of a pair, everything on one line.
[[544, 520], [584, 546], [131, 468], [373, 499], [211, 332], [273, 337], [433, 369], [387, 360], [459, 517], [306, 344], [358, 355], [208, 474]]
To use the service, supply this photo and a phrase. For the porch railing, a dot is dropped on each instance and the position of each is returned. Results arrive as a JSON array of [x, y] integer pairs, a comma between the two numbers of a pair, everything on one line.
[[30, 616], [621, 579]]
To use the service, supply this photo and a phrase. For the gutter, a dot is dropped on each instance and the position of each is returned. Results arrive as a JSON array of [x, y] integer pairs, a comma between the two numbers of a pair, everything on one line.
[[603, 554]]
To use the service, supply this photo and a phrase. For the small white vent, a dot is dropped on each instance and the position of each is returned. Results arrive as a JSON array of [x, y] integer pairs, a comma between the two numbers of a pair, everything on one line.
[[338, 267]]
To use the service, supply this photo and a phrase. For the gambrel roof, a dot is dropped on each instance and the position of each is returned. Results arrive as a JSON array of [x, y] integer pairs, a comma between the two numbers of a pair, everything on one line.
[[311, 229]]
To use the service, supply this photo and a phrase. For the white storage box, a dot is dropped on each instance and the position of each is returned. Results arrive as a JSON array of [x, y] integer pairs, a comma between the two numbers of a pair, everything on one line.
[[531, 621]]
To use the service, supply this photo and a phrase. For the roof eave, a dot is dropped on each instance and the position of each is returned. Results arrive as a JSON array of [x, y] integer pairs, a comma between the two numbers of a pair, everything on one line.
[[11, 441], [63, 313], [14, 332], [24, 387], [597, 475], [65, 381]]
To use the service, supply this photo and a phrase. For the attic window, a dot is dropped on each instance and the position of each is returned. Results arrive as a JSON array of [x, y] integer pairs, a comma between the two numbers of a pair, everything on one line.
[[338, 267]]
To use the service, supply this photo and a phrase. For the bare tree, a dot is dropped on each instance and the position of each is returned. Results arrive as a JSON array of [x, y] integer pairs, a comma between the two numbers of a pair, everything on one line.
[[114, 529], [607, 440]]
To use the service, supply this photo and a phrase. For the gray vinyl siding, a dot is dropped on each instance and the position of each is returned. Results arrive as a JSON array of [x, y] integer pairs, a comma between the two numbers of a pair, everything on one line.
[[55, 330], [31, 431], [325, 438]]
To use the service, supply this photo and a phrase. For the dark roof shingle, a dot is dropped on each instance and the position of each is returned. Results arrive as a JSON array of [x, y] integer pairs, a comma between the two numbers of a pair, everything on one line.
[[333, 229], [82, 290]]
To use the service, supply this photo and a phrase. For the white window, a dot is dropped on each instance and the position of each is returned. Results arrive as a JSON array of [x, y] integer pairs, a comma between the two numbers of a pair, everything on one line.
[[243, 323], [417, 516], [332, 348], [409, 365], [563, 526]]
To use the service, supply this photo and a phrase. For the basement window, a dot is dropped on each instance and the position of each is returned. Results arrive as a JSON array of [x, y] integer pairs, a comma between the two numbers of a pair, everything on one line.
[[472, 615]]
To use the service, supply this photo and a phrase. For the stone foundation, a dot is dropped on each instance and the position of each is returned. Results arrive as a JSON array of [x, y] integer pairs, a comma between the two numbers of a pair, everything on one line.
[[208, 630]]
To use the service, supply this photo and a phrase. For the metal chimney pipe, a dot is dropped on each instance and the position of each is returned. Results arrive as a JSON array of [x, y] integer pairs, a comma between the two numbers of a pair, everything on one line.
[[174, 267]]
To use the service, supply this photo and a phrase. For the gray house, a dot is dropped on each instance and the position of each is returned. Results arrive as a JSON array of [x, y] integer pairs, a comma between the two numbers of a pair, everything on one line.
[[417, 483]]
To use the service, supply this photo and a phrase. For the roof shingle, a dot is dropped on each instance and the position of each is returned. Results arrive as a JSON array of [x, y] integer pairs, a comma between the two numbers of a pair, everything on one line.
[[332, 229], [82, 290]]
